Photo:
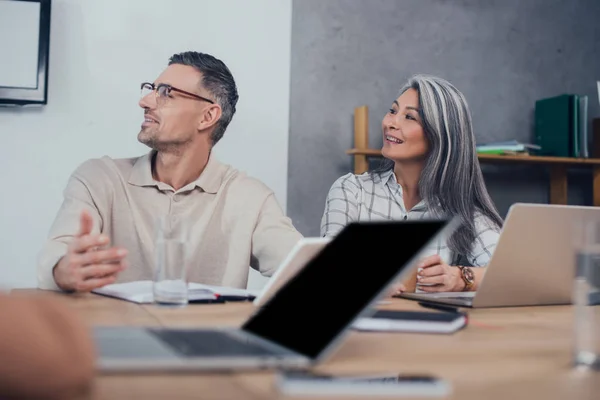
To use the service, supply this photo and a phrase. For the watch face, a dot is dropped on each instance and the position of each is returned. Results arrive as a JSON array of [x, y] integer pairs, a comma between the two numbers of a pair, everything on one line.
[[468, 274]]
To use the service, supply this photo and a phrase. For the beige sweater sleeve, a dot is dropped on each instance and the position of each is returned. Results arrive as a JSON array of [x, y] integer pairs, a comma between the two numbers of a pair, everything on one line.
[[274, 237], [77, 197], [45, 350]]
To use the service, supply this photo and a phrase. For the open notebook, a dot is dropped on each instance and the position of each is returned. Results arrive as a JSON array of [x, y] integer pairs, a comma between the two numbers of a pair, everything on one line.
[[141, 292]]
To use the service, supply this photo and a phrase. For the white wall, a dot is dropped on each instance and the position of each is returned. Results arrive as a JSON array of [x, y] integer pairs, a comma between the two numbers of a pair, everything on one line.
[[100, 52]]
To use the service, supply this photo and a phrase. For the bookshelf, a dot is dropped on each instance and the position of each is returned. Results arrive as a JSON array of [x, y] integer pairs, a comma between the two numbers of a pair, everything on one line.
[[557, 166]]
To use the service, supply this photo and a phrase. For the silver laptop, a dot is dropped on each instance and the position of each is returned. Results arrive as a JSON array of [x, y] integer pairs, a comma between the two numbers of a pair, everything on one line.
[[300, 324], [534, 260]]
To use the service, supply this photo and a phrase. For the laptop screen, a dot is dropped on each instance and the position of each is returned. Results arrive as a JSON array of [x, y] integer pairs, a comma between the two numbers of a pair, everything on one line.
[[314, 307]]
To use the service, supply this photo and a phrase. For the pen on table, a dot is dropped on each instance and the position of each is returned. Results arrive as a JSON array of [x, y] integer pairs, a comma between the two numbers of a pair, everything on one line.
[[439, 307]]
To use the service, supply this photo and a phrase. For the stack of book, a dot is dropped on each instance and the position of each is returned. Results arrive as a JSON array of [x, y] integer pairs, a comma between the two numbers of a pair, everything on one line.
[[511, 147], [561, 130]]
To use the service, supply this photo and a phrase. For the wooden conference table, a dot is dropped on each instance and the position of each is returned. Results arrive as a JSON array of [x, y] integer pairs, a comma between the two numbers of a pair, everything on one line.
[[504, 353]]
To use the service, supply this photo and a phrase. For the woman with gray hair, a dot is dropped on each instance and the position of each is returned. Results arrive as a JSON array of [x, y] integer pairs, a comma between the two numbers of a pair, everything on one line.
[[430, 170]]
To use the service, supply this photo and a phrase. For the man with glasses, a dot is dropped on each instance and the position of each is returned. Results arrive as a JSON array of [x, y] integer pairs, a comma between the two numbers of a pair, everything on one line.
[[104, 230]]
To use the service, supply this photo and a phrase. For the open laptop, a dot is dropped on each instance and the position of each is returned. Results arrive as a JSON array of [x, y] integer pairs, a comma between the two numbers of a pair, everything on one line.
[[300, 255], [300, 324], [534, 260]]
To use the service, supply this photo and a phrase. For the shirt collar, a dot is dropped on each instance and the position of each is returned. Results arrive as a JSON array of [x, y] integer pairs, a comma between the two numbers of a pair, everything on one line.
[[209, 180], [388, 178], [212, 177], [141, 173], [386, 175]]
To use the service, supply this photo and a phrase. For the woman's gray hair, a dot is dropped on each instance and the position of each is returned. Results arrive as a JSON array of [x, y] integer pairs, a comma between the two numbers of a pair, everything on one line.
[[451, 182]]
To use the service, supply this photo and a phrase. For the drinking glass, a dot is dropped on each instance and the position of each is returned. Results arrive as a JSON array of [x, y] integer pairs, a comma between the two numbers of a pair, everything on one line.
[[170, 286], [586, 294]]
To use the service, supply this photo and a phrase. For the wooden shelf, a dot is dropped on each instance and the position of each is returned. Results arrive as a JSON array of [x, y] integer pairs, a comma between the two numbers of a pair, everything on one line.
[[539, 159], [558, 169], [502, 158]]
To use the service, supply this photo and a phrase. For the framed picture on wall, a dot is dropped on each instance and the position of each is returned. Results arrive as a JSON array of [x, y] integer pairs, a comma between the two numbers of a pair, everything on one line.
[[24, 48]]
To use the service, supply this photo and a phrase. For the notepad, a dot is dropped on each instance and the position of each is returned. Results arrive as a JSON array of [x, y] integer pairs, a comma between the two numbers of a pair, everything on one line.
[[412, 321], [141, 292]]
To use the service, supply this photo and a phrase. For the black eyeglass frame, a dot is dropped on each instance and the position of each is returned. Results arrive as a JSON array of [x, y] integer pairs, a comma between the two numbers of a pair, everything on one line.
[[169, 88]]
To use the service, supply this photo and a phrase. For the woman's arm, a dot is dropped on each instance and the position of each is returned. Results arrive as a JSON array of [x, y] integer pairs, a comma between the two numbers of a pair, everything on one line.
[[444, 277], [478, 274], [448, 278]]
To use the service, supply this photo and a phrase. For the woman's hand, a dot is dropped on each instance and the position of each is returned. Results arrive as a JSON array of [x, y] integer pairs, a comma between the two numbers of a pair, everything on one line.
[[441, 276], [397, 289]]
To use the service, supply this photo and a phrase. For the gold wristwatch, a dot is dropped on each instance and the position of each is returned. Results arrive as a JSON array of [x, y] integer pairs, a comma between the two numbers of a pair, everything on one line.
[[468, 277]]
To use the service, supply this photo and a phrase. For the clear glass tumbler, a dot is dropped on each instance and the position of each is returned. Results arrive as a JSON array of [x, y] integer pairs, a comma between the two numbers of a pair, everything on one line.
[[586, 294], [171, 262]]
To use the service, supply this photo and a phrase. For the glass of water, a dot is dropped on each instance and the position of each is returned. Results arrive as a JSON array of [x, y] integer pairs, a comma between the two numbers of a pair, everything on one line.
[[171, 262], [586, 294]]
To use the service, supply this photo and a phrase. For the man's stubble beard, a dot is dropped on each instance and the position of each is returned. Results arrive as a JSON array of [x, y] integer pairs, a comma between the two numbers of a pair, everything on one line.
[[147, 138], [150, 139]]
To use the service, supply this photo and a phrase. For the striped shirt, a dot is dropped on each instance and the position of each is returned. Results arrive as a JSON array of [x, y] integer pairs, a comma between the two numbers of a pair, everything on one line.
[[378, 196]]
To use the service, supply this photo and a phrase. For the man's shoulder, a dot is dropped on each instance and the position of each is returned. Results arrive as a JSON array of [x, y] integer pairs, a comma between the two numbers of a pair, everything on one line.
[[241, 183], [105, 168]]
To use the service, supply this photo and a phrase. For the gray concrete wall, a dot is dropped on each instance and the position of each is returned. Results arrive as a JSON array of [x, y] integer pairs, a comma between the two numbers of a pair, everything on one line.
[[503, 55]]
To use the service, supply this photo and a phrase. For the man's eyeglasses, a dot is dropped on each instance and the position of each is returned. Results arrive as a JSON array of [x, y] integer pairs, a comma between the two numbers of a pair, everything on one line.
[[162, 91]]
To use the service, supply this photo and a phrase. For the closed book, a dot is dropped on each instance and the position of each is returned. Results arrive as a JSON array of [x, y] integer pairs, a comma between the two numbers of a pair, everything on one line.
[[574, 131], [553, 125], [583, 127], [412, 321]]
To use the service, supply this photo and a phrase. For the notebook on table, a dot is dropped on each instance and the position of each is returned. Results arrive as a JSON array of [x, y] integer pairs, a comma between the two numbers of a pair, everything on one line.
[[141, 292], [412, 321]]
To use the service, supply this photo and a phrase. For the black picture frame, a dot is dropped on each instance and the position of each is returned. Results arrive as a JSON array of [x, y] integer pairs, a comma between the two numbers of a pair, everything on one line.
[[39, 95]]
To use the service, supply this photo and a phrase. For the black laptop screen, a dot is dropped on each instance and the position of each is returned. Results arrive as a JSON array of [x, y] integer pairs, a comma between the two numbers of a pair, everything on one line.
[[310, 310]]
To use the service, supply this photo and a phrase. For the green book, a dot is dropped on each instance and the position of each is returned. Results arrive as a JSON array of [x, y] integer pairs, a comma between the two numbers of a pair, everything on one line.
[[553, 125], [574, 131]]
